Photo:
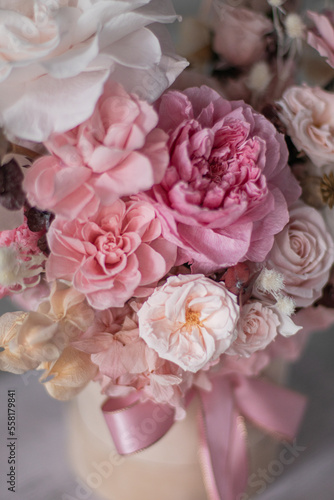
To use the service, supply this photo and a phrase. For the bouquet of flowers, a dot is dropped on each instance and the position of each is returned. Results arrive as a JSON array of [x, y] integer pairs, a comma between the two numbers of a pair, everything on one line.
[[166, 220]]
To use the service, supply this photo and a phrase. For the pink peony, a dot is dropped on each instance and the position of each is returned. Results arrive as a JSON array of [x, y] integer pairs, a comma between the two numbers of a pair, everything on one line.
[[308, 114], [118, 151], [190, 320], [304, 253], [114, 255], [321, 38], [226, 191], [240, 35]]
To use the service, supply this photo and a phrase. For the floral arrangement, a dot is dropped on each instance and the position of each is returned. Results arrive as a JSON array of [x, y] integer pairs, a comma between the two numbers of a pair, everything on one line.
[[163, 225]]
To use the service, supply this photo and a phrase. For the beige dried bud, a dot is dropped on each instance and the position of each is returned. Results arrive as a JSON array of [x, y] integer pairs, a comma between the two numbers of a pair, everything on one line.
[[295, 28], [70, 374], [259, 77]]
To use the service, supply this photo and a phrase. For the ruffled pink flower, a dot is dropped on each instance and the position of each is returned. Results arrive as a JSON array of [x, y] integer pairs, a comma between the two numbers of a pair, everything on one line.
[[304, 253], [321, 38], [118, 151], [116, 254], [226, 191], [190, 321]]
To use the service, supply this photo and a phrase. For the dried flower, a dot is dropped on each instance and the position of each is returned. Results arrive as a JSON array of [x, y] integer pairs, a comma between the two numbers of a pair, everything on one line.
[[12, 196], [327, 189], [294, 26], [270, 281], [259, 77]]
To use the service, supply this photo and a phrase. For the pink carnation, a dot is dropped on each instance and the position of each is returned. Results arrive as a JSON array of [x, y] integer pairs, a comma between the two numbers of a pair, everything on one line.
[[116, 152], [321, 38], [114, 255], [21, 260], [226, 191]]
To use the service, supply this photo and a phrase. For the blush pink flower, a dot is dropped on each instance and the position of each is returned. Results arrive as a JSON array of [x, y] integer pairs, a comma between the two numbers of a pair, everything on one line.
[[190, 321], [257, 328], [239, 35], [308, 114], [118, 151], [117, 253], [304, 253], [226, 191], [321, 38]]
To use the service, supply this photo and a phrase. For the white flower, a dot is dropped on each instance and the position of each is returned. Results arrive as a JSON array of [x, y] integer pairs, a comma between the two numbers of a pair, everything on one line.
[[55, 56], [190, 320]]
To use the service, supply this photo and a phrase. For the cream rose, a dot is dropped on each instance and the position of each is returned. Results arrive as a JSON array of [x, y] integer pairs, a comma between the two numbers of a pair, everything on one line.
[[190, 320], [308, 114], [304, 253], [55, 56]]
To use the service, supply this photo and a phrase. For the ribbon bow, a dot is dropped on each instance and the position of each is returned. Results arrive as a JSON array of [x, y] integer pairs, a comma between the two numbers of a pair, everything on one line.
[[136, 425]]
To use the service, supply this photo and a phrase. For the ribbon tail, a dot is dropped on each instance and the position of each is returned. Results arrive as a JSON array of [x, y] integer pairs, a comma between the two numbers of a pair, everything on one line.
[[273, 408], [223, 443]]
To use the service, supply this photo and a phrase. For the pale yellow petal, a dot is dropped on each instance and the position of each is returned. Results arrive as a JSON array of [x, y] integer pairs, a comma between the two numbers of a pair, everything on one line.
[[71, 373]]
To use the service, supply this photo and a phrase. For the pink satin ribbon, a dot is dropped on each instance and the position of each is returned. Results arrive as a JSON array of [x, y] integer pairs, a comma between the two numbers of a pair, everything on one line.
[[276, 410], [136, 425]]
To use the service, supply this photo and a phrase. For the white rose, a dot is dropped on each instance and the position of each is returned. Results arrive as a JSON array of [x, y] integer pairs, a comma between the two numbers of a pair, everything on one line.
[[190, 320], [55, 56]]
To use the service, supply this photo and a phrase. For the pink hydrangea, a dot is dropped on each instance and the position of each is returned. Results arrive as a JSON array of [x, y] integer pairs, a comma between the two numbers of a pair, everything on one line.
[[118, 151], [127, 363], [226, 191], [115, 254]]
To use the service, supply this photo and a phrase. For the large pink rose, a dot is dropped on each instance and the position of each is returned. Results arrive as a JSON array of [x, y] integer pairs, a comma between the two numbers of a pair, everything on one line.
[[304, 253], [118, 151], [114, 255], [226, 191], [190, 320]]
